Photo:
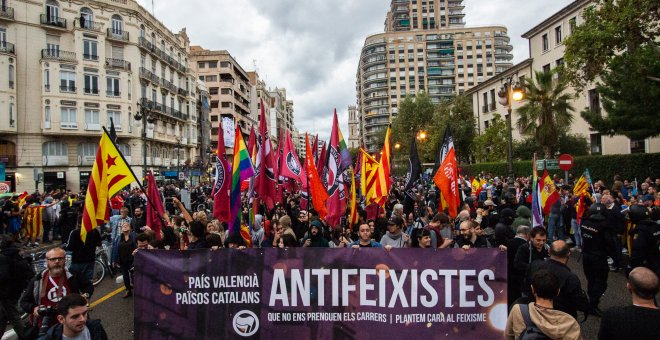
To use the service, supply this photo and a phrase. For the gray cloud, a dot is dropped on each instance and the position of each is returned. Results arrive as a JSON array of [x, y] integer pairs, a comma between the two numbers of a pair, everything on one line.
[[312, 47]]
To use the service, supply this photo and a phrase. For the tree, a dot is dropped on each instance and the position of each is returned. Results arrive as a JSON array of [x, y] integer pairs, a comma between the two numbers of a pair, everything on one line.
[[616, 48], [574, 145], [546, 110], [414, 115], [491, 145], [462, 127]]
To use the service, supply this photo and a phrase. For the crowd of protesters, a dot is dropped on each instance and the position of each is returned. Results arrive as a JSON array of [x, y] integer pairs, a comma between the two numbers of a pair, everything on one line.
[[622, 219]]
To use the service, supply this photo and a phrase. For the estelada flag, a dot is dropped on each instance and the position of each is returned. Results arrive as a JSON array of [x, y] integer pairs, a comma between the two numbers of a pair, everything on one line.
[[289, 162], [222, 183], [371, 180], [109, 175], [446, 180], [385, 163], [316, 190], [353, 220]]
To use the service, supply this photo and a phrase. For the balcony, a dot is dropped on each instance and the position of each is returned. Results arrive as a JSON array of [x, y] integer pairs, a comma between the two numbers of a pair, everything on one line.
[[67, 88], [90, 57], [88, 25], [146, 44], [117, 35], [168, 85], [455, 5], [182, 93], [110, 93], [148, 75], [50, 54], [53, 22], [7, 48], [93, 91], [117, 64], [6, 13], [492, 106]]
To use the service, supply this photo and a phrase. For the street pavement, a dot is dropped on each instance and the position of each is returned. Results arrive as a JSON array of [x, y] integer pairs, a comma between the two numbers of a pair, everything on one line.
[[116, 313]]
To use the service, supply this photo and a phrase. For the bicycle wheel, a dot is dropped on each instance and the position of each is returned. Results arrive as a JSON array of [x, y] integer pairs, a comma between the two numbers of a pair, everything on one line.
[[99, 272]]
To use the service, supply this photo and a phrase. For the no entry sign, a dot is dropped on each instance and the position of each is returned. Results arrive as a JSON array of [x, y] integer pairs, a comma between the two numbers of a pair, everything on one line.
[[565, 162]]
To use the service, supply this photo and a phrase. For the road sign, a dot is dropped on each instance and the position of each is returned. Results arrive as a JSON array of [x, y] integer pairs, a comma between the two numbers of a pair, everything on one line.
[[565, 162], [550, 164]]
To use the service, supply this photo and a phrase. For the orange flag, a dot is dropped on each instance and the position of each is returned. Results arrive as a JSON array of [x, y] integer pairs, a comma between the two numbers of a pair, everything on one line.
[[316, 190], [446, 180]]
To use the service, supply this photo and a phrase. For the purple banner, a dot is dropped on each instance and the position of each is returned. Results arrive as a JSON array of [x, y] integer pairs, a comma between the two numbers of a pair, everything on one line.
[[303, 293]]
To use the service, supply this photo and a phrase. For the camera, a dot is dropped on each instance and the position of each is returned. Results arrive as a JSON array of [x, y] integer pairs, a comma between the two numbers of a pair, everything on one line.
[[46, 314]]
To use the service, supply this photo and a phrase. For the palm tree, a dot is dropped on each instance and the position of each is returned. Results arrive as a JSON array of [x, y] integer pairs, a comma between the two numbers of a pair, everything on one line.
[[547, 110]]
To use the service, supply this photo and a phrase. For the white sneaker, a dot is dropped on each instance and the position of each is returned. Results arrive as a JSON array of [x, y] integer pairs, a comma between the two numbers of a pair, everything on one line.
[[624, 251]]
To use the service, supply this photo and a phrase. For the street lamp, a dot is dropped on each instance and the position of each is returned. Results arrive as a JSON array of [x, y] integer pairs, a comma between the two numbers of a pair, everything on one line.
[[509, 92], [421, 136], [144, 111], [397, 146]]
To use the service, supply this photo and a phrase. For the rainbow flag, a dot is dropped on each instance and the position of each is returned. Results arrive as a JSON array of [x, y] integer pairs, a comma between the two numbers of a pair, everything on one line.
[[242, 169]]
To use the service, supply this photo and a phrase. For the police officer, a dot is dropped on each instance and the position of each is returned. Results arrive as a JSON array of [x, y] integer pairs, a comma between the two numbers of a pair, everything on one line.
[[646, 238], [598, 244]]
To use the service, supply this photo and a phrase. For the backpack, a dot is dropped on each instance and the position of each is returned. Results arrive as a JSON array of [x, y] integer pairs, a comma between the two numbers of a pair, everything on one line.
[[531, 332]]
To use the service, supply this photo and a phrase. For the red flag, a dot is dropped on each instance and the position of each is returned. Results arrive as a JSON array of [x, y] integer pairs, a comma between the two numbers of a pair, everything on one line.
[[315, 150], [155, 208], [279, 191], [289, 163], [320, 164], [304, 188], [446, 179], [265, 178], [252, 144], [316, 190], [357, 170], [222, 184], [333, 178]]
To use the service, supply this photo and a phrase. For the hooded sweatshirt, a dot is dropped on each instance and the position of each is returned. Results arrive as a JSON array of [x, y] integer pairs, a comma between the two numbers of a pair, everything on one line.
[[553, 323], [524, 218], [258, 231], [396, 241]]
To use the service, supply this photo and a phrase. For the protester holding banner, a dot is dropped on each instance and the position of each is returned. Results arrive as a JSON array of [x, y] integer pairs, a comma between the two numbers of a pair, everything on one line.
[[364, 240]]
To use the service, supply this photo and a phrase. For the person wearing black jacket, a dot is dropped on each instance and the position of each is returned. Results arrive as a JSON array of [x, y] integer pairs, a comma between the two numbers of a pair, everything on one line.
[[83, 253], [571, 297], [646, 238], [74, 322], [15, 273], [521, 238], [598, 244], [615, 219], [503, 231], [535, 249], [46, 288]]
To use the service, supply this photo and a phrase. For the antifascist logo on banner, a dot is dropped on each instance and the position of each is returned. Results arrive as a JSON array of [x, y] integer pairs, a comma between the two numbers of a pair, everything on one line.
[[245, 323], [220, 176], [292, 164]]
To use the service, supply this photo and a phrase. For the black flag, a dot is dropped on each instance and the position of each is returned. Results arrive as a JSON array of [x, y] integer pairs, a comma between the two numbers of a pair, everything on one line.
[[113, 132], [442, 150], [414, 167]]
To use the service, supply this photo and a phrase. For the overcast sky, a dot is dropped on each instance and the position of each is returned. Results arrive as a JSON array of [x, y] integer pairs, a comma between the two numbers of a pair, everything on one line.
[[312, 47]]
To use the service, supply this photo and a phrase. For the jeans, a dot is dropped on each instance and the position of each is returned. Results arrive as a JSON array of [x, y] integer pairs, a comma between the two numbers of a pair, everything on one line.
[[555, 225], [576, 233], [85, 269], [126, 275]]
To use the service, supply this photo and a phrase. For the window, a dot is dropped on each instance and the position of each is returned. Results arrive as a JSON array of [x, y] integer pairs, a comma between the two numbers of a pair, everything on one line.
[[46, 80], [12, 112], [47, 117], [92, 120], [67, 81], [118, 25], [11, 76], [201, 64], [560, 62], [572, 23], [125, 149], [87, 151], [112, 87], [91, 84], [546, 68], [52, 11], [142, 31], [54, 149], [115, 117], [129, 89], [492, 99], [213, 78], [594, 101], [485, 106], [86, 18], [213, 64], [90, 50], [544, 40], [558, 35], [68, 120]]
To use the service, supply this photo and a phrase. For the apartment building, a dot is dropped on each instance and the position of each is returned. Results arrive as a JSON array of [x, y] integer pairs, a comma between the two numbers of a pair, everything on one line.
[[425, 47], [70, 67], [260, 92], [546, 50], [229, 89], [281, 111]]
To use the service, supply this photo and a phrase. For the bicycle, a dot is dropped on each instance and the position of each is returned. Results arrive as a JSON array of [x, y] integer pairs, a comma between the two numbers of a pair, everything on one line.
[[102, 263]]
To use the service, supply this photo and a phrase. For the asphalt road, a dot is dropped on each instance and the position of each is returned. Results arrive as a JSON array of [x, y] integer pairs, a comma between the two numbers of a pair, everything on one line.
[[116, 313]]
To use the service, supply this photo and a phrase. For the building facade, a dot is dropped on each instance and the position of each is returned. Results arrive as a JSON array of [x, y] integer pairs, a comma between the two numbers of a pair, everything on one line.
[[440, 57], [546, 50], [73, 66], [353, 127]]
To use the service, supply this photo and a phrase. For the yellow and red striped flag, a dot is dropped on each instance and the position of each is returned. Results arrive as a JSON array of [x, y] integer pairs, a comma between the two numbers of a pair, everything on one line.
[[372, 180], [385, 156], [353, 205], [110, 174], [33, 221]]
